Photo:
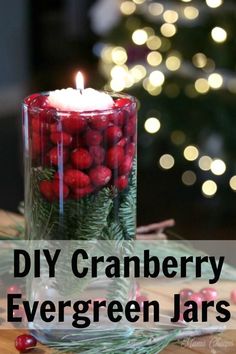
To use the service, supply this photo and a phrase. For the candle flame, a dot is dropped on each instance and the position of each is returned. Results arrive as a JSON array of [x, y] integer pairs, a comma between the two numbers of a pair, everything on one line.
[[79, 80]]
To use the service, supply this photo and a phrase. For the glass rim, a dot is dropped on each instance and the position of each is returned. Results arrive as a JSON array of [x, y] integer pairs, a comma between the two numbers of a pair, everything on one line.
[[133, 100]]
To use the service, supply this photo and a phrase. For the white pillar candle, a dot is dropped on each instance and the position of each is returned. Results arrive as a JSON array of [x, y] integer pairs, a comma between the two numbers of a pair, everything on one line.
[[80, 99]]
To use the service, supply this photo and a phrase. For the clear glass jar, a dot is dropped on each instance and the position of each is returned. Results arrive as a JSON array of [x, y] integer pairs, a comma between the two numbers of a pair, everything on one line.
[[80, 182]]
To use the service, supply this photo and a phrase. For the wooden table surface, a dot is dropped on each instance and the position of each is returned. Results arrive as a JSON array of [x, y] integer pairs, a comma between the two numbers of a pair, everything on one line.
[[222, 343]]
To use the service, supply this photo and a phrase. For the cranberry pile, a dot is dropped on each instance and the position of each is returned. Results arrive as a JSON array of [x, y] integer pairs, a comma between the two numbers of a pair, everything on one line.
[[87, 151]]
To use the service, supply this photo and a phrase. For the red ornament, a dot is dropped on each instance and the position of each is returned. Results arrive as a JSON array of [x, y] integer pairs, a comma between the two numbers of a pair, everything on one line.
[[112, 135], [92, 137], [46, 190], [99, 122], [60, 189], [115, 156], [81, 158], [197, 297], [121, 182], [233, 296], [98, 154], [76, 179], [209, 294], [121, 102], [82, 192], [25, 342], [185, 294], [61, 138], [58, 156], [100, 175], [74, 123], [126, 165]]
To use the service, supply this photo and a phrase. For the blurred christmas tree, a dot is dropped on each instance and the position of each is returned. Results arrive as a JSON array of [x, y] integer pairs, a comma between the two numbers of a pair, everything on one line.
[[178, 58]]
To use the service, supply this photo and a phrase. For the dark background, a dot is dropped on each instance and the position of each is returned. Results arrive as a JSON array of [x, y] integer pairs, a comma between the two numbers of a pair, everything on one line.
[[43, 44]]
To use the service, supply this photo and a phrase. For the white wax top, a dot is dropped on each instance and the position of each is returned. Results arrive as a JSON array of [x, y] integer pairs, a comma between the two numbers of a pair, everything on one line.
[[73, 100]]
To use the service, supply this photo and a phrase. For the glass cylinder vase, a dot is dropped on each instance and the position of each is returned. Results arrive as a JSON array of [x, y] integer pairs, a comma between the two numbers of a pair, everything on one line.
[[80, 185]]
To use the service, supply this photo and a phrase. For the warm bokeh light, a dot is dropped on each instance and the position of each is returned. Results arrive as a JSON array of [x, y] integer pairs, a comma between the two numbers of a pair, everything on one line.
[[232, 183], [191, 153], [218, 34], [154, 58], [119, 55], [156, 78], [127, 8], [189, 178], [199, 60], [168, 30], [140, 36], [218, 167], [215, 81], [173, 63], [170, 16], [214, 3], [202, 85], [154, 42], [209, 188], [118, 84], [138, 72], [155, 9], [152, 125], [191, 12], [139, 2], [167, 161], [205, 163], [106, 54]]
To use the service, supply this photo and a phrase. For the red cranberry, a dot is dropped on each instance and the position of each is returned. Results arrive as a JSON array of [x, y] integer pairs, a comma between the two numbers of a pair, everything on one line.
[[92, 137], [98, 154], [117, 118], [54, 128], [121, 102], [57, 156], [46, 190], [60, 189], [185, 294], [48, 115], [112, 135], [131, 149], [126, 165], [130, 127], [100, 175], [115, 156], [74, 123], [122, 142], [233, 296], [14, 289], [61, 138], [29, 99], [121, 182], [209, 294], [76, 178], [99, 122], [140, 300], [36, 144], [25, 342], [81, 158], [82, 192], [38, 101], [39, 126], [197, 297]]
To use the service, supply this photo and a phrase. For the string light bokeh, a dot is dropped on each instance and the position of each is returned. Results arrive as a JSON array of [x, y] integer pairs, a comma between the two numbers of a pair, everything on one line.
[[158, 60]]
